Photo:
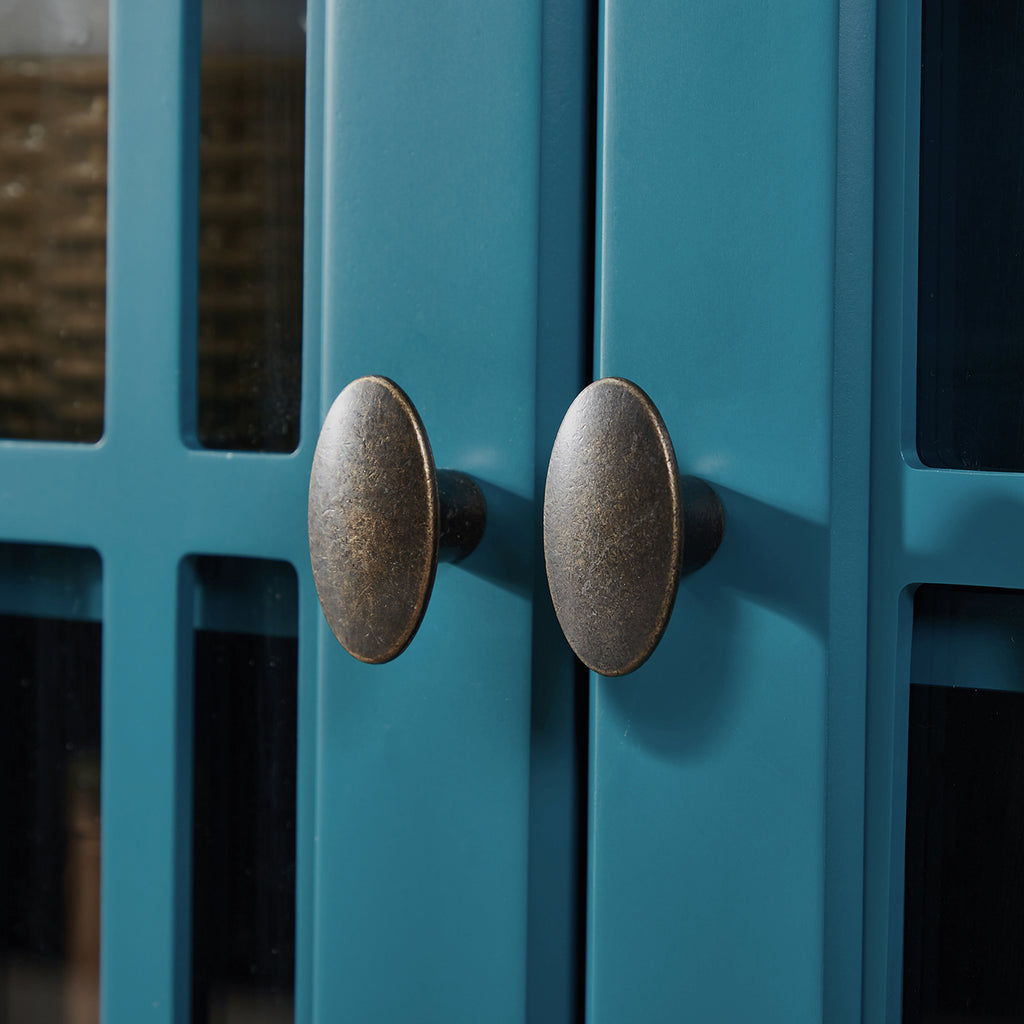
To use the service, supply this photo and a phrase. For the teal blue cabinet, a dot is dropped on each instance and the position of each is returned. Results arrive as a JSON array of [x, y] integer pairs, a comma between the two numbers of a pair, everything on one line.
[[502, 202]]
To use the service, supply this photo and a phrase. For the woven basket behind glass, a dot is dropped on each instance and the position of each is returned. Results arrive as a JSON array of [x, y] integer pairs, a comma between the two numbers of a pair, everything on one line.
[[53, 175], [53, 178]]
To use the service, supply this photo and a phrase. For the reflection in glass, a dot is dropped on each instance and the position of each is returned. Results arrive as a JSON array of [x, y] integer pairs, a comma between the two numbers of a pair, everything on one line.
[[50, 807], [53, 183], [244, 800], [964, 888], [250, 224], [970, 375]]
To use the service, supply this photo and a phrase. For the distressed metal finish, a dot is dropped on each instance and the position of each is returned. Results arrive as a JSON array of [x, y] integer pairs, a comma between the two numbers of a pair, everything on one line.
[[377, 521], [621, 526], [463, 512]]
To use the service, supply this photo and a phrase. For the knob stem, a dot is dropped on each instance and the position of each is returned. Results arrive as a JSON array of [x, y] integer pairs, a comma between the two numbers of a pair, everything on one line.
[[463, 515], [703, 523]]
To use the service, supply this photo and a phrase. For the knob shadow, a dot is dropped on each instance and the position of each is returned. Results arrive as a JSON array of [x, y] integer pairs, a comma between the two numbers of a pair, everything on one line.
[[504, 554], [713, 657]]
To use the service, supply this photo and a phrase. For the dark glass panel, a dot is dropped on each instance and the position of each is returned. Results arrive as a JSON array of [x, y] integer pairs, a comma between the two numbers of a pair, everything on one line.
[[250, 224], [244, 800], [53, 193], [50, 801], [964, 889], [970, 374]]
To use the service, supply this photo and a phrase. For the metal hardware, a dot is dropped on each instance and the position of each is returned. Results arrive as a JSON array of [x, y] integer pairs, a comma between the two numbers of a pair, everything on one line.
[[621, 526], [380, 518]]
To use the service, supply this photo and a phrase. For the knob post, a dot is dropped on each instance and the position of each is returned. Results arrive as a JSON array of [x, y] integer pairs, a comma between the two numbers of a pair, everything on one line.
[[703, 523], [463, 515]]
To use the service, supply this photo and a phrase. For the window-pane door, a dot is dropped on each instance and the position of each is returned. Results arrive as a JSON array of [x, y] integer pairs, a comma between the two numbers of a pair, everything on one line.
[[286, 833]]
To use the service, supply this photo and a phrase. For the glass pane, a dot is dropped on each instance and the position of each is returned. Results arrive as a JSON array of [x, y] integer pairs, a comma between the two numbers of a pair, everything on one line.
[[49, 786], [53, 184], [243, 902], [970, 404], [964, 889], [250, 224]]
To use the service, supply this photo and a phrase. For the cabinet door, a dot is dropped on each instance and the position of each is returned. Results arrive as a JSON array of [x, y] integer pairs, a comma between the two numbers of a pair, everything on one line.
[[453, 232], [435, 798], [733, 252]]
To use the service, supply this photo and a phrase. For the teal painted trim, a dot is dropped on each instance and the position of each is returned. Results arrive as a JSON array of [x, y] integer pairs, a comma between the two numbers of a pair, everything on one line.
[[150, 230], [557, 844], [146, 791], [962, 527], [718, 296], [50, 581], [309, 606], [431, 277], [890, 266], [927, 525], [891, 577], [849, 504], [891, 625], [230, 503], [890, 614], [313, 201], [50, 493]]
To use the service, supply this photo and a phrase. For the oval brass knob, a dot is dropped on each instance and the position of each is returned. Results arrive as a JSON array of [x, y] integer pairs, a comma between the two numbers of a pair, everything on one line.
[[380, 518], [620, 526]]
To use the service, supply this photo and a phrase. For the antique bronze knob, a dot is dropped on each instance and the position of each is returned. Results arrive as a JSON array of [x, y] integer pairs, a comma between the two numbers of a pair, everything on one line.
[[621, 526], [380, 518]]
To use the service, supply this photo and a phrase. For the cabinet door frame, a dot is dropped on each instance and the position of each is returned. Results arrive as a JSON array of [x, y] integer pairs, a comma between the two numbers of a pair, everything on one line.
[[147, 501], [453, 261], [489, 346], [926, 527], [710, 95]]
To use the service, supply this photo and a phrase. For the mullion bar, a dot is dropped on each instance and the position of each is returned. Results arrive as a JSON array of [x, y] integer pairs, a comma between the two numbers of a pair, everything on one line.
[[151, 334], [200, 501], [146, 796], [962, 527], [245, 504], [54, 493], [154, 84]]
